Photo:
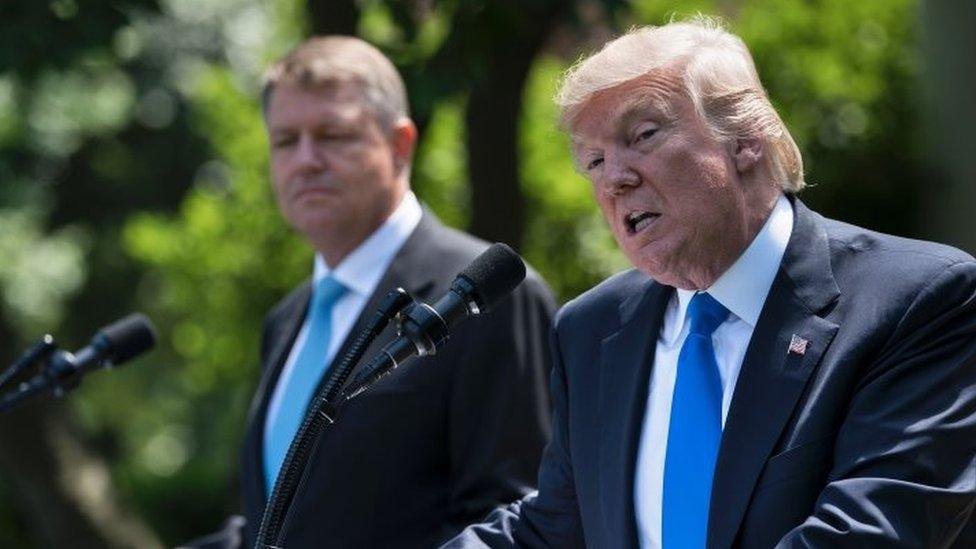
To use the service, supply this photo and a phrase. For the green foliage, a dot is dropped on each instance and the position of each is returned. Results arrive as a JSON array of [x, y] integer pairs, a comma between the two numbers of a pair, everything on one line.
[[94, 98], [440, 171], [228, 234], [219, 265], [39, 35], [39, 271], [567, 239], [110, 116], [390, 26], [845, 76]]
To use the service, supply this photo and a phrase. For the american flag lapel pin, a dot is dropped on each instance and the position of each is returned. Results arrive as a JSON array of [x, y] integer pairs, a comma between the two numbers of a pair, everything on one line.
[[798, 346]]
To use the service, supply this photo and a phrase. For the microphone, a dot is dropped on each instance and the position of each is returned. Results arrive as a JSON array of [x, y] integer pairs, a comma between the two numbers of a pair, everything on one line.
[[423, 328], [112, 345]]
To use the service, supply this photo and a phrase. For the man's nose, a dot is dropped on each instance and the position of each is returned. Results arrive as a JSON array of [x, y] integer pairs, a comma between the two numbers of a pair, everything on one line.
[[619, 175], [306, 153]]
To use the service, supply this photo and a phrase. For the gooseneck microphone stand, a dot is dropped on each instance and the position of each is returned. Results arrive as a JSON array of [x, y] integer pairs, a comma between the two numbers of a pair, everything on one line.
[[61, 371], [422, 329], [37, 353], [323, 411]]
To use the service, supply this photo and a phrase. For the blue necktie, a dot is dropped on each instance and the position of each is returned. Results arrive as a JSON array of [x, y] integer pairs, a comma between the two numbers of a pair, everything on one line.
[[695, 431], [306, 373]]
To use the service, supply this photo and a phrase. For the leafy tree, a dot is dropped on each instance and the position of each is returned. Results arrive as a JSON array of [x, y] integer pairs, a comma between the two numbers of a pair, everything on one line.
[[93, 127]]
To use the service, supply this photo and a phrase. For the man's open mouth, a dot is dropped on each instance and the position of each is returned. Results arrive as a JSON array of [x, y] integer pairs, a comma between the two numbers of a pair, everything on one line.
[[638, 220]]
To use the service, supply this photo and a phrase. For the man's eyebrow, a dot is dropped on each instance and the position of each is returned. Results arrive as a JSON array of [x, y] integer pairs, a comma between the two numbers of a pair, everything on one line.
[[280, 133], [641, 104]]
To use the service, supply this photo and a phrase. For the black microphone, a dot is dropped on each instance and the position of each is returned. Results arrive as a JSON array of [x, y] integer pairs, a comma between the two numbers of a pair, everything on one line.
[[423, 328], [112, 345]]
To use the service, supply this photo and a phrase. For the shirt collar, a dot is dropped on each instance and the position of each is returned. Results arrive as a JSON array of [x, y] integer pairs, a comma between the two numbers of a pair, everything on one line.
[[361, 270], [678, 308], [742, 289]]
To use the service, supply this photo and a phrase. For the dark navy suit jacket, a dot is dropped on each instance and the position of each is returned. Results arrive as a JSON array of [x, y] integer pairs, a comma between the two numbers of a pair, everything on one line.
[[866, 439], [436, 444]]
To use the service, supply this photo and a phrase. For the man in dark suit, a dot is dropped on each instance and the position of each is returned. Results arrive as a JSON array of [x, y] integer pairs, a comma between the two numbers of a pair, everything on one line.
[[434, 445], [765, 376]]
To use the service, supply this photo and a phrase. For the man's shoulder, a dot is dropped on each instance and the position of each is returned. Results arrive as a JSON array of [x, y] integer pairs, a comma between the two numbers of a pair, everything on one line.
[[881, 258], [453, 250], [855, 240], [296, 300], [600, 305], [882, 275], [448, 240], [437, 246]]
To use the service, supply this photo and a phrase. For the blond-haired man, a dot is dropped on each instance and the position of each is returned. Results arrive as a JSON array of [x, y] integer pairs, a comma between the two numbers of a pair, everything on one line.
[[764, 376]]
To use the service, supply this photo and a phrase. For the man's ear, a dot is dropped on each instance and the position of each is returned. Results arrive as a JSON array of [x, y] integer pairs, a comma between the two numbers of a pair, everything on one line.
[[404, 139], [746, 152]]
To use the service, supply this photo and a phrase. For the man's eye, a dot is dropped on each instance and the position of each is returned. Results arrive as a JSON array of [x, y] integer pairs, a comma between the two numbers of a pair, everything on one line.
[[592, 164], [337, 136], [283, 142], [646, 134]]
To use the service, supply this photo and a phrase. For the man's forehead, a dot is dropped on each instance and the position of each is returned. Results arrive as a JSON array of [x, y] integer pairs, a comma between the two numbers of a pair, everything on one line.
[[329, 91], [652, 94], [337, 99]]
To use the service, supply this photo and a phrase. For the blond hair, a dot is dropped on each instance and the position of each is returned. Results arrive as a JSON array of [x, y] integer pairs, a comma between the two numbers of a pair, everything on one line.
[[325, 60], [719, 77]]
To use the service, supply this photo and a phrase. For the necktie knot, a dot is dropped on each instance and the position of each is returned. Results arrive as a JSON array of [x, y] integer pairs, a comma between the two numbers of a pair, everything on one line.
[[706, 314], [327, 291]]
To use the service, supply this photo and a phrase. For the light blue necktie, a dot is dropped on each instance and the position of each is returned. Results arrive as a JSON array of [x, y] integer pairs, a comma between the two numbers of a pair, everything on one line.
[[695, 431], [306, 374]]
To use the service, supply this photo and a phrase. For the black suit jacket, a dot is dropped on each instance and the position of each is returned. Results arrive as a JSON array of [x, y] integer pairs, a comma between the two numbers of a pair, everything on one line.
[[436, 444], [866, 439]]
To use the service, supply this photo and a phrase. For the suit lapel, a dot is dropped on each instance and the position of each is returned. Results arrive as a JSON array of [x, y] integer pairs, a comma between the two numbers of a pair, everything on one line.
[[625, 365], [281, 346], [403, 272], [406, 270], [281, 343], [773, 377]]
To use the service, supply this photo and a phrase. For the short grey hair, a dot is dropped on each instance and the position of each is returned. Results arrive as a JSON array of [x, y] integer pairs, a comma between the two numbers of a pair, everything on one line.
[[719, 77], [326, 60]]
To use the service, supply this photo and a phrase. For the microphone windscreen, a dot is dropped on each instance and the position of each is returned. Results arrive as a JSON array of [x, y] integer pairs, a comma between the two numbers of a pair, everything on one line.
[[494, 274], [128, 337]]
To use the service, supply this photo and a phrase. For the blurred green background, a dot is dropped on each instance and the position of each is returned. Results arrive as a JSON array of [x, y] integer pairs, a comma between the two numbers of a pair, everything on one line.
[[133, 176]]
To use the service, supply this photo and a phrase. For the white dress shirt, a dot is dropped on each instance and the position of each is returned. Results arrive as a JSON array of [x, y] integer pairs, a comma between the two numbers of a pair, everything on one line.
[[742, 289], [359, 272]]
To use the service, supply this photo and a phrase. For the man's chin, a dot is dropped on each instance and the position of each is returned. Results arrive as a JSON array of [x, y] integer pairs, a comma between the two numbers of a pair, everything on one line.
[[652, 266], [648, 266], [645, 258], [315, 225]]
